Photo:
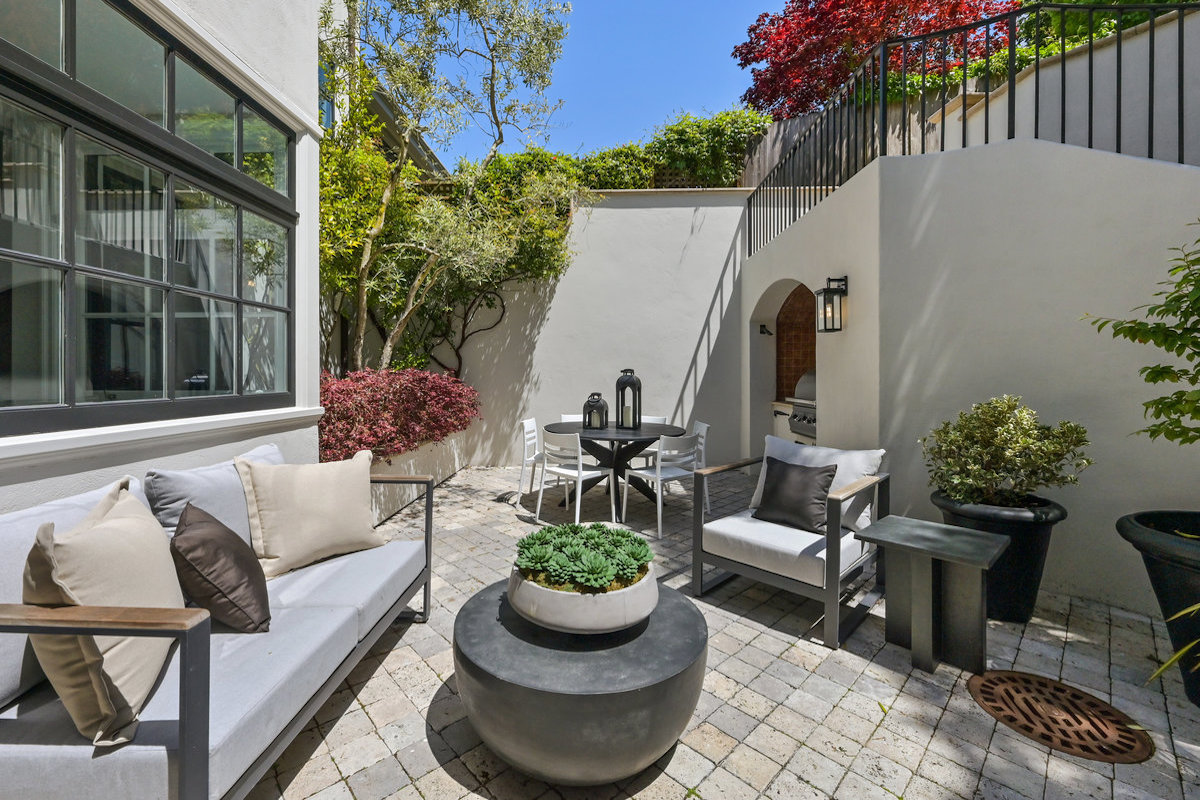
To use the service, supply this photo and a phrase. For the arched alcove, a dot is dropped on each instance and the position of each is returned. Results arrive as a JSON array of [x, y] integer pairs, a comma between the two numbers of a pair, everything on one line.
[[795, 340]]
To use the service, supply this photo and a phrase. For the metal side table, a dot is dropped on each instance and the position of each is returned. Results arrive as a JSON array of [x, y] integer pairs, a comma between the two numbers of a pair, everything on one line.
[[936, 589]]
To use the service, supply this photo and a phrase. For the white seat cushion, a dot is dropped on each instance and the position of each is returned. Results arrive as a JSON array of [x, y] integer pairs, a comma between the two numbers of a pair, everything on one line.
[[785, 551]]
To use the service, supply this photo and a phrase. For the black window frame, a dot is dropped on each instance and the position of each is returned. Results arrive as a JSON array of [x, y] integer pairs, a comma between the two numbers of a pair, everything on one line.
[[31, 83]]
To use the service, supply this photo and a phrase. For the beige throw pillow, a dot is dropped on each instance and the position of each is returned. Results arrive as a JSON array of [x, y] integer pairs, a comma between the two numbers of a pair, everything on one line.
[[301, 513], [117, 556]]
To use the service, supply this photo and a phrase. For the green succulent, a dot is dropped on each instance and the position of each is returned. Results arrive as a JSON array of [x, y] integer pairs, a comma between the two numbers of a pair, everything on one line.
[[594, 571], [590, 558], [535, 558]]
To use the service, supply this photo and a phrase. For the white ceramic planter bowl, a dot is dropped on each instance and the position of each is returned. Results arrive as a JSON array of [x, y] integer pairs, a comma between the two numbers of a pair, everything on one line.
[[570, 612]]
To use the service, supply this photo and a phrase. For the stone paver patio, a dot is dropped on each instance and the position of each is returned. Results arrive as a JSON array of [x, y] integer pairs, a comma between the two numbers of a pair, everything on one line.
[[780, 716]]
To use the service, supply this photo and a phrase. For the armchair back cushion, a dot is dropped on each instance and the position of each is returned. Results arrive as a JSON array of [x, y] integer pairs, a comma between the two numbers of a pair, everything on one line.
[[795, 495], [216, 489], [19, 669], [302, 513], [851, 465], [117, 556]]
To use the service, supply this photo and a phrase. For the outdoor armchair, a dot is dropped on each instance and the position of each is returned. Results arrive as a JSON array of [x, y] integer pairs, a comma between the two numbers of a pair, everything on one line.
[[820, 566]]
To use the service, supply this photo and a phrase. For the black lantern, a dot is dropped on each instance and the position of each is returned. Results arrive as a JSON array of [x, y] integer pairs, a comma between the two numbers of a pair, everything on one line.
[[595, 412], [629, 410], [829, 304]]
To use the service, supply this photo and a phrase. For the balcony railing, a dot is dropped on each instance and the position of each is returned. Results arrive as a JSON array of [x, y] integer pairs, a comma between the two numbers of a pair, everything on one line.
[[1121, 78]]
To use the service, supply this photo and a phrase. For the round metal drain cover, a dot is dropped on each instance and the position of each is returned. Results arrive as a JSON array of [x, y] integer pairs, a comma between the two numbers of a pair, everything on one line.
[[1061, 717]]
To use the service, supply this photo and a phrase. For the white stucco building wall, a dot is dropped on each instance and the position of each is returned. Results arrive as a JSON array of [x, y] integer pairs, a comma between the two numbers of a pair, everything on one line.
[[269, 49], [969, 274]]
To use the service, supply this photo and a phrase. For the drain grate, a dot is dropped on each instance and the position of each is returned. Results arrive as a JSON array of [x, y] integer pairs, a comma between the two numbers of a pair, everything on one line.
[[1061, 717]]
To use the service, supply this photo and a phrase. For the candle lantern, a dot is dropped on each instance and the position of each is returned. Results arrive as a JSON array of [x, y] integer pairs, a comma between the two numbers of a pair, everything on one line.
[[595, 412], [629, 400]]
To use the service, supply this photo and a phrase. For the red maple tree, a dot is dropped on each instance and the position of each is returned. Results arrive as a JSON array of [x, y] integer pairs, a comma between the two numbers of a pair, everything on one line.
[[810, 48]]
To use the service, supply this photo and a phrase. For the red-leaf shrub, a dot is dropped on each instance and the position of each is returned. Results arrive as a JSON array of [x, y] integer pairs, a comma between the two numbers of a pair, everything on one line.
[[391, 411], [801, 55]]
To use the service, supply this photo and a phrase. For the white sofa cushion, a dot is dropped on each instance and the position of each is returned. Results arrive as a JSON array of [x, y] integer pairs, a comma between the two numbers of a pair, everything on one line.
[[367, 581], [259, 683], [19, 669], [778, 549], [851, 466]]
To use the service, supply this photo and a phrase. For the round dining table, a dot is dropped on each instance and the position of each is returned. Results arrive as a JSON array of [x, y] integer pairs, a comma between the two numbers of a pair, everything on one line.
[[613, 448]]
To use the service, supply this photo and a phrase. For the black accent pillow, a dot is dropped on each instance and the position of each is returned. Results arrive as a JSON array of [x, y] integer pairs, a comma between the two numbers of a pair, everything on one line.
[[795, 495], [219, 572]]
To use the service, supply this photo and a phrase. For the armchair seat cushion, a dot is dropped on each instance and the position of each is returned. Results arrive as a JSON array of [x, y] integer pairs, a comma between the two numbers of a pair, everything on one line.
[[792, 553]]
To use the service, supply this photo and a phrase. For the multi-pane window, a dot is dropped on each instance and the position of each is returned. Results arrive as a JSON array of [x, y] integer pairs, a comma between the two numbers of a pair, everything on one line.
[[132, 279]]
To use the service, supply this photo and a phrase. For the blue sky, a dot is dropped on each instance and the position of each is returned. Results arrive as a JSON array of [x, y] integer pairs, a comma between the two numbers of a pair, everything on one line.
[[631, 65]]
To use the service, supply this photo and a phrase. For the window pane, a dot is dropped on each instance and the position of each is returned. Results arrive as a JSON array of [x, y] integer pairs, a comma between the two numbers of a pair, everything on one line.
[[264, 260], [35, 26], [205, 240], [119, 212], [119, 59], [30, 181], [205, 114], [204, 346], [30, 335], [120, 341], [264, 151], [264, 351]]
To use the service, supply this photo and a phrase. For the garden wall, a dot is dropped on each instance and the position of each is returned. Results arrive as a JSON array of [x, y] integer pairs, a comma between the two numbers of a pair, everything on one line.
[[439, 459], [653, 287]]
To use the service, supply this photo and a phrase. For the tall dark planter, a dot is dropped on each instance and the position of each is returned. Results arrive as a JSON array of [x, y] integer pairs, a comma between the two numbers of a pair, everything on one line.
[[1173, 564], [1013, 582]]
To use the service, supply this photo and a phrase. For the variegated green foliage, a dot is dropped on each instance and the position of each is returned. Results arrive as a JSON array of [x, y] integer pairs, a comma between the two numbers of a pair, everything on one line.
[[583, 558], [998, 454]]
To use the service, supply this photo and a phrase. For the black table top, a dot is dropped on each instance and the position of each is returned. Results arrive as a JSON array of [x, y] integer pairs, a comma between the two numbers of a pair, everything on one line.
[[647, 433], [489, 633], [944, 542]]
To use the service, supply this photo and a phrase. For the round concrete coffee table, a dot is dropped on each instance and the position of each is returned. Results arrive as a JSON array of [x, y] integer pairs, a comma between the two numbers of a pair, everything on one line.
[[579, 710]]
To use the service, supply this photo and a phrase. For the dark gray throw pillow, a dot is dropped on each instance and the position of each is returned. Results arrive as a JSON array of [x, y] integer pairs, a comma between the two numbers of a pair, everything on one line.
[[795, 495], [219, 572]]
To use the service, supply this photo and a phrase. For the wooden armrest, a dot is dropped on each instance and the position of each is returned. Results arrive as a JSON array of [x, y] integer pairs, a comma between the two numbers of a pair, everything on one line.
[[745, 462], [401, 478], [108, 620], [859, 486]]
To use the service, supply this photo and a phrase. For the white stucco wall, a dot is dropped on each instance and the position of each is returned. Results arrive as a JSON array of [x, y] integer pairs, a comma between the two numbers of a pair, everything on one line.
[[653, 287], [991, 256], [269, 48]]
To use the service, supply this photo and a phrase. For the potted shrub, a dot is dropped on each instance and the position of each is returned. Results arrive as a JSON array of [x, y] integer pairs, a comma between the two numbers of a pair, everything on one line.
[[1169, 541], [583, 579], [986, 465]]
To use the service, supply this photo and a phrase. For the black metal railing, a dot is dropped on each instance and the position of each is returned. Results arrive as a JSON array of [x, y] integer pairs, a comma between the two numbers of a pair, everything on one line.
[[1121, 78]]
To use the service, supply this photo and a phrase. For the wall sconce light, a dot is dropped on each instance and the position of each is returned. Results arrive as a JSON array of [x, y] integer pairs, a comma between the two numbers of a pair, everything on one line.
[[829, 304], [763, 330]]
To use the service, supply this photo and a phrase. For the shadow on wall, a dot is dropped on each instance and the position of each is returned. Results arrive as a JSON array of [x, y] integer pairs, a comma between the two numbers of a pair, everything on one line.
[[711, 388], [512, 343]]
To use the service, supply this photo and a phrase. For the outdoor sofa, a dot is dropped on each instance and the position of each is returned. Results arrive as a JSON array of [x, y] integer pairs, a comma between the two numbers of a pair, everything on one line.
[[227, 704]]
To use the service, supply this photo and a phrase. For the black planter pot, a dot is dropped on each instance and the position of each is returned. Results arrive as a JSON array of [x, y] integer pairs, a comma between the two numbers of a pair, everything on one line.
[[1012, 583], [1173, 564]]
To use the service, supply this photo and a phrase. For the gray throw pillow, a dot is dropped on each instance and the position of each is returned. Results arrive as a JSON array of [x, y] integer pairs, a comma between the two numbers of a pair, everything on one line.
[[795, 495], [851, 464], [216, 489]]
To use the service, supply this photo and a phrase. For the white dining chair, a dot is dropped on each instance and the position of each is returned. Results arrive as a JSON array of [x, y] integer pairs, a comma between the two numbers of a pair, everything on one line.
[[647, 455], [561, 452], [675, 461], [532, 455], [701, 431]]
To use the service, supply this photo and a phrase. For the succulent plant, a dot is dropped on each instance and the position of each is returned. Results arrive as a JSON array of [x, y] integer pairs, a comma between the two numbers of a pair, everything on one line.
[[591, 558]]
